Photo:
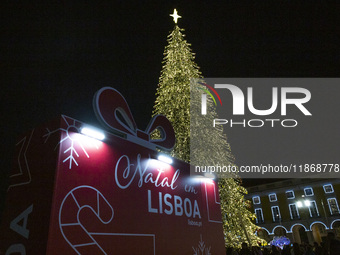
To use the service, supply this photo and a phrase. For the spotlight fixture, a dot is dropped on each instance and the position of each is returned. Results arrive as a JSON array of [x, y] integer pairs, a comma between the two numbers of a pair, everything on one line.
[[209, 175], [93, 133], [165, 159]]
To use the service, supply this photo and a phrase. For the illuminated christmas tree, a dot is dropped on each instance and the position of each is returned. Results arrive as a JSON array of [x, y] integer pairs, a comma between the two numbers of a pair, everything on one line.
[[173, 101]]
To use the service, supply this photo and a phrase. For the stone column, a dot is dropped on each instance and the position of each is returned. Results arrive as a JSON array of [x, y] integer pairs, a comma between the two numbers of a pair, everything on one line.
[[310, 237]]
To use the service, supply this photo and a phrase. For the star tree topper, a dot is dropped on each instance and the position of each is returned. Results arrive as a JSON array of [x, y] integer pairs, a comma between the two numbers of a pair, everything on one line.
[[175, 16]]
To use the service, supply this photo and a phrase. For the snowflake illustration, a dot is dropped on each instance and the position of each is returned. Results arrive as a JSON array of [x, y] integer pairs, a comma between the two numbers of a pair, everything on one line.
[[201, 249], [71, 151]]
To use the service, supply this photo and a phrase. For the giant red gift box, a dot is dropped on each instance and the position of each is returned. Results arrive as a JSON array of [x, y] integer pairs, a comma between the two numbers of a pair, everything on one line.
[[72, 194]]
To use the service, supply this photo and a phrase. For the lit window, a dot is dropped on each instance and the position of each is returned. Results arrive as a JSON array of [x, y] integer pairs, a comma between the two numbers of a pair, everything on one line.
[[328, 188], [290, 194], [259, 215], [256, 200], [309, 191], [313, 209], [333, 206], [272, 197], [294, 211], [276, 213]]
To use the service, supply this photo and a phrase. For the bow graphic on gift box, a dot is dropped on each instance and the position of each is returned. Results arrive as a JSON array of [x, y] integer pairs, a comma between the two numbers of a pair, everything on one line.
[[114, 113]]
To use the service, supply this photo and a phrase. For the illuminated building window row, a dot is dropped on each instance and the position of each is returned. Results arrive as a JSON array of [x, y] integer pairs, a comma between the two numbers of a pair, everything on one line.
[[294, 210]]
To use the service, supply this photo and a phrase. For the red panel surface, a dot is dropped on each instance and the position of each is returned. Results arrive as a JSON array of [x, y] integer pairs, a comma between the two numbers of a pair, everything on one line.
[[25, 220], [111, 197]]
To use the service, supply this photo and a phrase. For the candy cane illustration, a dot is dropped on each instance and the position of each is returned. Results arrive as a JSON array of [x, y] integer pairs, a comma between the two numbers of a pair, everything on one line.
[[70, 225]]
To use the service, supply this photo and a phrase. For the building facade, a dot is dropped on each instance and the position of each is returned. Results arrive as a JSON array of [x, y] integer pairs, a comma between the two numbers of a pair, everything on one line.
[[304, 210]]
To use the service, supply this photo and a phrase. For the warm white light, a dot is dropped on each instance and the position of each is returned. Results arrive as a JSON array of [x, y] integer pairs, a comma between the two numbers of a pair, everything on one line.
[[209, 175], [165, 159], [307, 203], [93, 133], [299, 204], [175, 16]]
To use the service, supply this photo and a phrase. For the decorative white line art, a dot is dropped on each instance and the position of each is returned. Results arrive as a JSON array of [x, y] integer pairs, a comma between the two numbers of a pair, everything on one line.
[[201, 249], [215, 202], [74, 197], [71, 151], [24, 170]]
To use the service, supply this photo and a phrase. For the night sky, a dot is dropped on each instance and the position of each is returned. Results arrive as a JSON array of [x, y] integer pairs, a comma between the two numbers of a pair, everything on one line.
[[54, 57]]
